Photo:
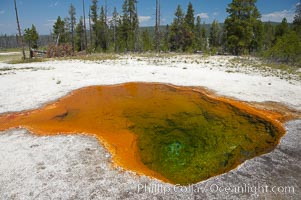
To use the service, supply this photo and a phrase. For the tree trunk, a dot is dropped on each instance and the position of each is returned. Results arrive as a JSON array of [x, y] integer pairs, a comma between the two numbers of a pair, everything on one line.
[[19, 30], [90, 26], [84, 12], [157, 30], [72, 37]]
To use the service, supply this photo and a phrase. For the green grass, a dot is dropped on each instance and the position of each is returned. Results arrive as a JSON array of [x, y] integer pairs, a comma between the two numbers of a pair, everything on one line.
[[17, 58], [27, 60], [10, 50], [281, 70], [8, 58]]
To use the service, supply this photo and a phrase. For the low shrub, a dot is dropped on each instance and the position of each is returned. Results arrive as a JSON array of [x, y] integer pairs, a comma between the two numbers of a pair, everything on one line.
[[62, 50]]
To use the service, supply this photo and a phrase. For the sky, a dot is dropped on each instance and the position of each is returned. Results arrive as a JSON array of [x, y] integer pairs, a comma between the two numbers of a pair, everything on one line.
[[43, 13]]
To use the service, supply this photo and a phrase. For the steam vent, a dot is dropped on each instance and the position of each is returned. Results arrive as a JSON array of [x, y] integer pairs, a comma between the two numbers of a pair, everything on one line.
[[179, 135]]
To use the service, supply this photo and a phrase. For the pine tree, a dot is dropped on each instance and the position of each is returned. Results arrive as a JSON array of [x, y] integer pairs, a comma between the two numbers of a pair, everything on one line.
[[287, 42], [129, 25], [215, 34], [94, 10], [147, 41], [121, 41], [85, 27], [189, 17], [124, 28], [59, 31], [72, 13], [114, 26], [96, 25], [287, 49], [257, 37], [204, 36], [67, 32], [297, 19], [282, 28], [103, 28], [80, 35], [176, 38], [240, 25], [31, 36], [134, 24], [198, 34], [90, 29], [269, 35], [157, 26], [166, 34], [189, 29], [27, 37]]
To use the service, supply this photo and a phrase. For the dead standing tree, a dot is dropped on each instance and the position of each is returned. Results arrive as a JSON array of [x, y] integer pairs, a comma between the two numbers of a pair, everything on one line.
[[90, 27], [19, 30], [157, 28], [84, 12]]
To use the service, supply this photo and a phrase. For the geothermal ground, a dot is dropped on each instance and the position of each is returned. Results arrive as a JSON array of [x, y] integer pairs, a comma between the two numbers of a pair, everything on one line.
[[79, 167]]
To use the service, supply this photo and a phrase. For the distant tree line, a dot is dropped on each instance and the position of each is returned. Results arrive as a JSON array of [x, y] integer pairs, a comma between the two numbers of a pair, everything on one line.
[[243, 32], [12, 41]]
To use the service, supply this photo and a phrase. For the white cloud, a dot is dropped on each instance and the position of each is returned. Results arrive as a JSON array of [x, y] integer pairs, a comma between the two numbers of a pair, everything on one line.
[[50, 22], [143, 19], [163, 20], [215, 14], [54, 4], [2, 12], [88, 22], [277, 16], [203, 15]]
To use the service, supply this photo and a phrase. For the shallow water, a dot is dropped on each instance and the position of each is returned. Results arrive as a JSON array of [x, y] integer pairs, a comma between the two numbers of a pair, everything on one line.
[[175, 134]]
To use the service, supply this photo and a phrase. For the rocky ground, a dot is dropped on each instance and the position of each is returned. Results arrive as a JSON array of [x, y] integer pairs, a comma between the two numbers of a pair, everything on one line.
[[78, 167]]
